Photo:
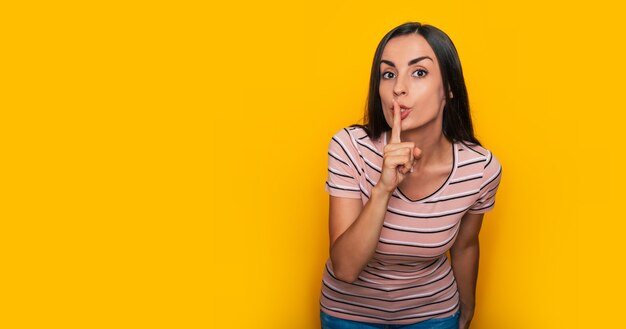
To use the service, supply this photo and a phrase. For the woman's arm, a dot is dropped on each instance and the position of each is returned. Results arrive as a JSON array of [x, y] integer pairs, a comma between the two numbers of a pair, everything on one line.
[[465, 254], [355, 228], [354, 232]]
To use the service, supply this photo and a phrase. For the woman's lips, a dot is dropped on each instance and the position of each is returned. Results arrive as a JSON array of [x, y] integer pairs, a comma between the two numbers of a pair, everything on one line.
[[404, 113]]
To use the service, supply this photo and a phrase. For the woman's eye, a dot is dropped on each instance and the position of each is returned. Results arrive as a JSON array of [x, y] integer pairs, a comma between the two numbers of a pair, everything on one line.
[[420, 73], [388, 75]]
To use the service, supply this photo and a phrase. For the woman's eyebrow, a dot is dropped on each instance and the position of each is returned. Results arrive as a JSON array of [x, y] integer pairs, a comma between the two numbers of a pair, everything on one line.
[[390, 63], [415, 60], [411, 62]]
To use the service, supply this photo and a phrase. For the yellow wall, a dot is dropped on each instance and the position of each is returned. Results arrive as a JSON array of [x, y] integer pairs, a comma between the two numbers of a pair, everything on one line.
[[164, 162]]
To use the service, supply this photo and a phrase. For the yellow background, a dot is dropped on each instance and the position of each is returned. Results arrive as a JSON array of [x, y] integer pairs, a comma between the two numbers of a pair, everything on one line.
[[163, 162]]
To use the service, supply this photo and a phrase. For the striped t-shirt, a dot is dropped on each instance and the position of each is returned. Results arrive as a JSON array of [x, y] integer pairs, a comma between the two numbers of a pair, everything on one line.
[[409, 279]]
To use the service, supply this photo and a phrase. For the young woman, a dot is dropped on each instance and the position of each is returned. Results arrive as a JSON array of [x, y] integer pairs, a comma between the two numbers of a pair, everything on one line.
[[405, 188]]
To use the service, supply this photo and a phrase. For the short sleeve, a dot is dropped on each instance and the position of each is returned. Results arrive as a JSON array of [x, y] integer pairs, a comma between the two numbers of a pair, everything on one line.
[[343, 173], [491, 181]]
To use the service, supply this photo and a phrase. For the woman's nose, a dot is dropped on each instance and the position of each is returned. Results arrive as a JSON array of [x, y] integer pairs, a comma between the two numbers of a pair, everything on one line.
[[399, 88]]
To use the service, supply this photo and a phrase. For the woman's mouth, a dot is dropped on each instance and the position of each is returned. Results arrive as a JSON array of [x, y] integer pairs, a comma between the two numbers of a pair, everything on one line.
[[404, 112]]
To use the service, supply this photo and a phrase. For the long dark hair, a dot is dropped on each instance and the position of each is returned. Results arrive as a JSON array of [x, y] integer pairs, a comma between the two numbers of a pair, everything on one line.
[[457, 121]]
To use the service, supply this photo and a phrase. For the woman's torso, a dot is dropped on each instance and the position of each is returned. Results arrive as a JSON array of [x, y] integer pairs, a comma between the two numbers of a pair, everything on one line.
[[409, 278]]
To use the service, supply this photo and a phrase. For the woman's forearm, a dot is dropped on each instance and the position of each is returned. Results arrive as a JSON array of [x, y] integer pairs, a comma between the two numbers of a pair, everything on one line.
[[465, 267], [354, 248]]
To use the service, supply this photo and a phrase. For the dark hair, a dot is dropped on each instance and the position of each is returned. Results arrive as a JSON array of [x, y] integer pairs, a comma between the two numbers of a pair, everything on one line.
[[457, 121]]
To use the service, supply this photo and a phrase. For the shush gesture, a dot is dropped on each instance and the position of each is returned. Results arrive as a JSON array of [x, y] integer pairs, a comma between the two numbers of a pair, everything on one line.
[[398, 157]]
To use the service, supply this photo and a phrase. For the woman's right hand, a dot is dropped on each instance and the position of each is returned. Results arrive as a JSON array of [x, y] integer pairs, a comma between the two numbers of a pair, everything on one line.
[[398, 157]]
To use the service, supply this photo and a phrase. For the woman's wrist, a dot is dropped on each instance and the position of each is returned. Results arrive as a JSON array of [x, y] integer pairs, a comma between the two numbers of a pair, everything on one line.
[[380, 191], [467, 312]]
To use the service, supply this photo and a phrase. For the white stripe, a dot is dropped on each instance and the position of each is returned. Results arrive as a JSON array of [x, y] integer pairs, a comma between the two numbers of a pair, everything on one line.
[[371, 148], [452, 196], [443, 213], [471, 160], [370, 281], [336, 156], [371, 164], [420, 230], [363, 190], [351, 188], [426, 257], [466, 177], [370, 178], [407, 243], [337, 172]]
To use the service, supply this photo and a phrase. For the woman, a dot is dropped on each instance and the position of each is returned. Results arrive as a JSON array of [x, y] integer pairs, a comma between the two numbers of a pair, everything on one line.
[[407, 187]]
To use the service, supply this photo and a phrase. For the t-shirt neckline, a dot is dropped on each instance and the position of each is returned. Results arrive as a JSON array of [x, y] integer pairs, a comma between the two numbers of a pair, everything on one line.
[[438, 190]]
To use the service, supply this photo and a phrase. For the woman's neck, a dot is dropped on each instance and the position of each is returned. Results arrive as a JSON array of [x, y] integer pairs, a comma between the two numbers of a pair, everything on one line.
[[435, 147]]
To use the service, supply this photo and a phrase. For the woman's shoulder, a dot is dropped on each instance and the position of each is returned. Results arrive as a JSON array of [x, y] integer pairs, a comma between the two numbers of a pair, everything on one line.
[[354, 132], [474, 149], [354, 135], [356, 139], [472, 153]]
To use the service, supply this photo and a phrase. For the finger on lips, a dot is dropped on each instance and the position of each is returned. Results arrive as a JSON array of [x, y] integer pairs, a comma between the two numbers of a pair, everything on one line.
[[396, 129], [400, 155]]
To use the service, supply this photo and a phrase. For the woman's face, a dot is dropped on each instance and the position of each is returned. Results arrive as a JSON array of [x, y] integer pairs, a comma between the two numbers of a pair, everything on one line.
[[410, 74]]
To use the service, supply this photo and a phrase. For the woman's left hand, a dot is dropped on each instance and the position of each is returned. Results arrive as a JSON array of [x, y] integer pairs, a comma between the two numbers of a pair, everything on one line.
[[465, 318]]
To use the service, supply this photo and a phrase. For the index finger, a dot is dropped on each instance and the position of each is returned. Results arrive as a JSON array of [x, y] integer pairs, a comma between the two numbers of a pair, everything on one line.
[[396, 128]]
